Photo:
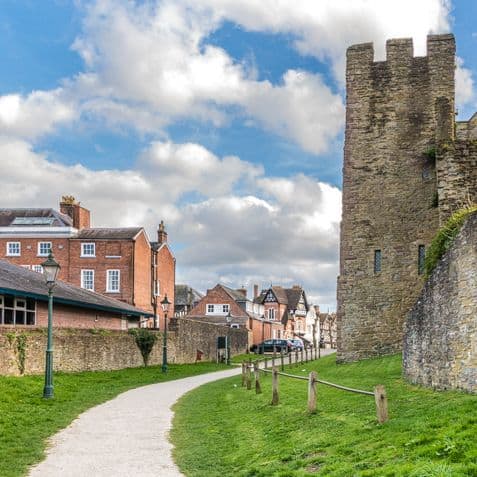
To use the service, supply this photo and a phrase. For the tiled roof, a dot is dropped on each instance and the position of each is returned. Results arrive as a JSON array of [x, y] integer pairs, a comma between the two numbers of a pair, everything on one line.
[[124, 233], [18, 280], [186, 295], [36, 217], [279, 292]]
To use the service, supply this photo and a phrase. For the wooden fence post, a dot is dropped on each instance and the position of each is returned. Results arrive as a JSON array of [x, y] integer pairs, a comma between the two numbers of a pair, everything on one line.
[[312, 391], [302, 356], [306, 355], [381, 403], [275, 398], [256, 372], [243, 373], [290, 357], [265, 363], [282, 363], [249, 375], [296, 356]]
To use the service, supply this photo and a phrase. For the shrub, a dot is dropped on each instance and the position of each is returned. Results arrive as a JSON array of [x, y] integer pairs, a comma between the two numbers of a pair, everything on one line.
[[444, 238], [145, 341]]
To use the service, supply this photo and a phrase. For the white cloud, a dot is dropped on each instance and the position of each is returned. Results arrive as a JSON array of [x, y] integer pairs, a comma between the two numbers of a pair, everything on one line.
[[464, 84], [283, 230], [38, 113], [325, 28]]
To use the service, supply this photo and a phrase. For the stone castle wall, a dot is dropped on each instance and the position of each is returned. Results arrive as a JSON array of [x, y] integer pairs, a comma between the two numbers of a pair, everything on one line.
[[440, 345], [389, 187], [103, 350]]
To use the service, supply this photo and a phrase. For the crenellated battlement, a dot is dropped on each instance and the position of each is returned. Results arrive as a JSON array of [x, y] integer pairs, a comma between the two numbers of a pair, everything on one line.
[[400, 52]]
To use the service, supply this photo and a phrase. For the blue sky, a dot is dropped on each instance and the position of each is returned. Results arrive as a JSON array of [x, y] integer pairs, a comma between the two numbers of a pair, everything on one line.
[[223, 118]]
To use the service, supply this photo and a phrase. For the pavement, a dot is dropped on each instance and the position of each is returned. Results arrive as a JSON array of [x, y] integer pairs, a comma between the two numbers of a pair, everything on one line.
[[125, 437]]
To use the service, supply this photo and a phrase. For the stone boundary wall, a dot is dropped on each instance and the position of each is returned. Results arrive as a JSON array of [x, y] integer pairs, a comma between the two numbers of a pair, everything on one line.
[[440, 341], [102, 350]]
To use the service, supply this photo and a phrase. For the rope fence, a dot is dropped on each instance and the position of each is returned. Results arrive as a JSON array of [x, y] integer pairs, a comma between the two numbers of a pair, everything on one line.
[[379, 393]]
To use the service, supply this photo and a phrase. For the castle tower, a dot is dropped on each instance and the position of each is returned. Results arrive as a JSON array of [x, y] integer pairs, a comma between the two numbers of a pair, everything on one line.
[[395, 111]]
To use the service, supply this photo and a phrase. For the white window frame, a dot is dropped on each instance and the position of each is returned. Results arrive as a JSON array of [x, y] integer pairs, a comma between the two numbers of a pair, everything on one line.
[[88, 244], [109, 281], [271, 314], [37, 268], [44, 254], [221, 309], [83, 273], [16, 244]]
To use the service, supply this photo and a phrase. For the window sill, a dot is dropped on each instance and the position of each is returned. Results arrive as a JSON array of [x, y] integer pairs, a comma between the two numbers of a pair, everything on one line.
[[87, 256], [115, 292]]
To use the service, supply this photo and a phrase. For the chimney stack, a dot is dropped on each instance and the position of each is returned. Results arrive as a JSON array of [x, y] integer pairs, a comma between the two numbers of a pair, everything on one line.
[[161, 233], [243, 291], [255, 291], [81, 217]]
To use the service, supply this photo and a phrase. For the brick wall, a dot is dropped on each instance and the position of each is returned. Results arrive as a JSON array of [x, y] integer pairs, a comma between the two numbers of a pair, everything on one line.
[[29, 252], [440, 344], [121, 250], [388, 187], [166, 275], [99, 350], [142, 273], [216, 295]]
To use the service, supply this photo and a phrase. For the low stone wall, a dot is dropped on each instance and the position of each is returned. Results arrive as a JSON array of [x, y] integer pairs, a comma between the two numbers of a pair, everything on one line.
[[22, 349], [440, 343]]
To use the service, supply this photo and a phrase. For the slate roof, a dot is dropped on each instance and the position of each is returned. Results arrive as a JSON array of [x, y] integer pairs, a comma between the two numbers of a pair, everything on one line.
[[7, 216], [117, 233], [20, 281], [294, 295], [186, 295], [235, 294], [221, 320]]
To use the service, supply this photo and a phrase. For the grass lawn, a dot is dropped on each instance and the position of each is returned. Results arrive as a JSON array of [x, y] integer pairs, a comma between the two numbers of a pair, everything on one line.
[[221, 429], [27, 420]]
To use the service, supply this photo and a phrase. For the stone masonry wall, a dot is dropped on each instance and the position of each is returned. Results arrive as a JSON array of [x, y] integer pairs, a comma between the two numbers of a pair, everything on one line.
[[440, 345], [388, 187], [100, 350], [457, 175]]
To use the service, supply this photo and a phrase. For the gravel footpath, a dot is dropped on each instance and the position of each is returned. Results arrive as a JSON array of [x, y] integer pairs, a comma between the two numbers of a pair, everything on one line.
[[127, 436], [124, 437]]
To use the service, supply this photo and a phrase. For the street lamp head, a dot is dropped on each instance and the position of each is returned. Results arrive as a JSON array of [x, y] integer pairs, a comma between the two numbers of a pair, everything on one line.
[[50, 269], [165, 304]]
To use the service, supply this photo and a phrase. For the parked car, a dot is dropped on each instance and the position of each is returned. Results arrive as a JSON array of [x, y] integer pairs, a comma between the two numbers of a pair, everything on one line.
[[269, 346], [297, 344]]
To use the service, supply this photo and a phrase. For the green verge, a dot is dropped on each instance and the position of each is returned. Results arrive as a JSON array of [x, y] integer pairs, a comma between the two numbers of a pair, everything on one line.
[[221, 429], [444, 238], [27, 420]]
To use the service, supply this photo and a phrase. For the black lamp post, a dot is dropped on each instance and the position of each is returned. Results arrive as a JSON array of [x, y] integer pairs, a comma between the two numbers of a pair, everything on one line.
[[165, 308], [50, 269]]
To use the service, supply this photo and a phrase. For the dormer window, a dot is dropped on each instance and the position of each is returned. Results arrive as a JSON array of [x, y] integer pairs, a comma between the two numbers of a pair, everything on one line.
[[88, 249]]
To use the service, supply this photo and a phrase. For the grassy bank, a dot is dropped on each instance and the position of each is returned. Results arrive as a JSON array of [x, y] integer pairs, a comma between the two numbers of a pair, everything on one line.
[[223, 430], [27, 420]]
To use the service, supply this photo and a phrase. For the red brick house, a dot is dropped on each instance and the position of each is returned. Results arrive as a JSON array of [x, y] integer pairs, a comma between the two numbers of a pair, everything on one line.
[[24, 303], [288, 306], [120, 263], [230, 307]]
